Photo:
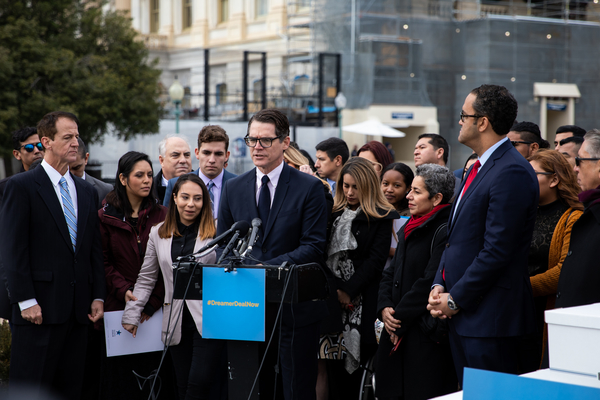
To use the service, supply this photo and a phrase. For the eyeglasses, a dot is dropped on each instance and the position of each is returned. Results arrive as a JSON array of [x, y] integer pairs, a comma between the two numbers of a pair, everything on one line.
[[578, 160], [464, 116], [543, 173], [264, 142], [516, 142], [29, 147]]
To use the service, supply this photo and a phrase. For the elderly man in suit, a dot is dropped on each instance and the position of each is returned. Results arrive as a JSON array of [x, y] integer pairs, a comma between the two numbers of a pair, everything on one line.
[[212, 153], [175, 159], [293, 210], [53, 263], [482, 283], [77, 168]]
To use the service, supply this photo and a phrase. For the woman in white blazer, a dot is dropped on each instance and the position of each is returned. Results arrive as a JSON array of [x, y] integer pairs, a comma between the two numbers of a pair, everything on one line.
[[189, 225]]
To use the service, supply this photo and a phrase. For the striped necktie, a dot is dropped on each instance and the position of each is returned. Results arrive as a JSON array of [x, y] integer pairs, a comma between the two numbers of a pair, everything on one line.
[[69, 211], [211, 185]]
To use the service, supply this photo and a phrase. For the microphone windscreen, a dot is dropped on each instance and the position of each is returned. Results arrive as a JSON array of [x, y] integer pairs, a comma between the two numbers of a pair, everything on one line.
[[242, 226]]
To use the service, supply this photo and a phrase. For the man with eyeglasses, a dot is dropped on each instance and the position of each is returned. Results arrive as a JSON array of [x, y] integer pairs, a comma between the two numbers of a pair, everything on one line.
[[293, 210], [482, 282], [526, 138], [27, 149], [580, 275]]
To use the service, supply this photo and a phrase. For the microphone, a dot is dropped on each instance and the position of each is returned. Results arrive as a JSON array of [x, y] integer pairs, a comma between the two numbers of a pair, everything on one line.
[[256, 223], [219, 240], [240, 228]]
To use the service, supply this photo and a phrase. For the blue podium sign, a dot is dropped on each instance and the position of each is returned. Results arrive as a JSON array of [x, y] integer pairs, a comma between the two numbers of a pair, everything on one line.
[[233, 304]]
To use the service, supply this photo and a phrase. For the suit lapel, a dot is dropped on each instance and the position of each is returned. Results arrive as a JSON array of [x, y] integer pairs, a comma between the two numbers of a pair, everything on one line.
[[249, 187], [48, 195], [489, 164], [83, 208], [280, 192]]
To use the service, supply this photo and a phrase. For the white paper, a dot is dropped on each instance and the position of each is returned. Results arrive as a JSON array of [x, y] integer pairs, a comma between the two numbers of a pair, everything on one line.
[[119, 342]]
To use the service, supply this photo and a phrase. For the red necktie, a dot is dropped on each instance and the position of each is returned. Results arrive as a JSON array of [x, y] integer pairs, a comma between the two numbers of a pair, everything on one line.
[[471, 176]]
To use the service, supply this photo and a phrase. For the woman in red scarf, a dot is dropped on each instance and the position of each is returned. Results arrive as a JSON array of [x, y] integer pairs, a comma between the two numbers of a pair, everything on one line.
[[413, 359]]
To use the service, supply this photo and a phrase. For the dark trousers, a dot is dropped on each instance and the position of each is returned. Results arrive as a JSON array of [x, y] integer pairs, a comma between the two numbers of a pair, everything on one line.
[[299, 349], [200, 364], [48, 358], [499, 354]]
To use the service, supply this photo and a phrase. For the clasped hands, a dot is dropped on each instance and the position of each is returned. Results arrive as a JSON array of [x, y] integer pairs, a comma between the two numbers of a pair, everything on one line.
[[438, 304], [33, 314]]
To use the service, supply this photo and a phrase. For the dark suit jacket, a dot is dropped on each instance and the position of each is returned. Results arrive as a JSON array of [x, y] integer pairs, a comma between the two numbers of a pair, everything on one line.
[[485, 260], [169, 191], [102, 188], [295, 232], [38, 256], [158, 187]]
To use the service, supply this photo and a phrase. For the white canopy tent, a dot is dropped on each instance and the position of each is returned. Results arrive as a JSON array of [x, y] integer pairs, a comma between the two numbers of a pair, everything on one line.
[[374, 128]]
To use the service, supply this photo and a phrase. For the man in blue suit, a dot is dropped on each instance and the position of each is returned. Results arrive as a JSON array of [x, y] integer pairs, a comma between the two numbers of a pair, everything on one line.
[[293, 210], [482, 283], [212, 153]]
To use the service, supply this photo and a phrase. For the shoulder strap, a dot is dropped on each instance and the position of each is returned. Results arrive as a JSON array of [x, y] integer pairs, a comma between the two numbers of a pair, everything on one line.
[[442, 226]]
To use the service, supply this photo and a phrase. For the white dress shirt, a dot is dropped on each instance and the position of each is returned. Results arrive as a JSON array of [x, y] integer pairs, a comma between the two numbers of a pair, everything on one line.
[[273, 181]]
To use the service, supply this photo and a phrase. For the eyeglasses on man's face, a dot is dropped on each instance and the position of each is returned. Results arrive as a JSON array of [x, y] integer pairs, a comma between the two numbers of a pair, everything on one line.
[[517, 142], [578, 160], [464, 116], [264, 141], [29, 147]]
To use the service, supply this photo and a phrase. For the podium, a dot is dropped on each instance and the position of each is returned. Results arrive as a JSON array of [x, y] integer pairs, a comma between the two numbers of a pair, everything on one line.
[[283, 285]]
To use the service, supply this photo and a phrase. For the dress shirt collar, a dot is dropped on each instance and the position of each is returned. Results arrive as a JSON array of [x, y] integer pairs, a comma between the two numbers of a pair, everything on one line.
[[218, 181], [164, 181], [55, 176], [488, 153], [273, 175]]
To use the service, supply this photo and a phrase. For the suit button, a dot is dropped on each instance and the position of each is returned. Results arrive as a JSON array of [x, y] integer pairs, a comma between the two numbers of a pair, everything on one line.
[[396, 284], [447, 245], [264, 250], [558, 295], [569, 253]]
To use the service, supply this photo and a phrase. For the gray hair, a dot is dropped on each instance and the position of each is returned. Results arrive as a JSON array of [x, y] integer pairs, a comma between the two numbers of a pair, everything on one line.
[[162, 145], [592, 138], [437, 179]]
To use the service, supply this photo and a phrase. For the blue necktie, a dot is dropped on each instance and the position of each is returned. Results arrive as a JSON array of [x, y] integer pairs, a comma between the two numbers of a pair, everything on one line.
[[211, 185], [264, 201], [69, 211]]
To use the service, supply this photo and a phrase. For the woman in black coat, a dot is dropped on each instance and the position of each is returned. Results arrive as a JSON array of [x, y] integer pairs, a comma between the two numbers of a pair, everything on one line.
[[357, 251], [413, 361]]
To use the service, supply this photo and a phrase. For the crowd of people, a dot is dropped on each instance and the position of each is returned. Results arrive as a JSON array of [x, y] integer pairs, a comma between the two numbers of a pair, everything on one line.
[[458, 266]]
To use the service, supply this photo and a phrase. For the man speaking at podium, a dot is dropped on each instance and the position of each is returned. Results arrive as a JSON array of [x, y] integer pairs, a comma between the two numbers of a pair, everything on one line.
[[293, 210]]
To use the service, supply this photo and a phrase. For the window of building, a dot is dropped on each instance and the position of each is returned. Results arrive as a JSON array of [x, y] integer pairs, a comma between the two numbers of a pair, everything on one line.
[[154, 15], [221, 93], [223, 10], [187, 14], [262, 7]]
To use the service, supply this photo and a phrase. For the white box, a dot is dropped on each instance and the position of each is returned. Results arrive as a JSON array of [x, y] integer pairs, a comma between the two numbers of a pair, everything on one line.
[[574, 339]]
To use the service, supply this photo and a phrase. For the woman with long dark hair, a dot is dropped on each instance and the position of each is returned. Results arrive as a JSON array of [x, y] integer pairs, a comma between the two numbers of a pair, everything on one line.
[[128, 213], [358, 247], [412, 342], [559, 208], [188, 227]]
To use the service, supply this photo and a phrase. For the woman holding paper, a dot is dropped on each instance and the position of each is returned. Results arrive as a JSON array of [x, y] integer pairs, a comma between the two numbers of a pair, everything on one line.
[[188, 227], [128, 213]]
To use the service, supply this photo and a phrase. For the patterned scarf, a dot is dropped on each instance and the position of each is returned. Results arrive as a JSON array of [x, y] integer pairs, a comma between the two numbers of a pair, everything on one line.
[[342, 241]]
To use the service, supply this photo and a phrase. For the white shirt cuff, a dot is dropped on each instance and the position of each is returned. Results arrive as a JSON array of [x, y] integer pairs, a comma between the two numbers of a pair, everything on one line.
[[24, 305]]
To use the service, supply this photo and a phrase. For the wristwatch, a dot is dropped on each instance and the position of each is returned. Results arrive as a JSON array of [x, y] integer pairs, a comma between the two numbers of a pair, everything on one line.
[[451, 304]]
